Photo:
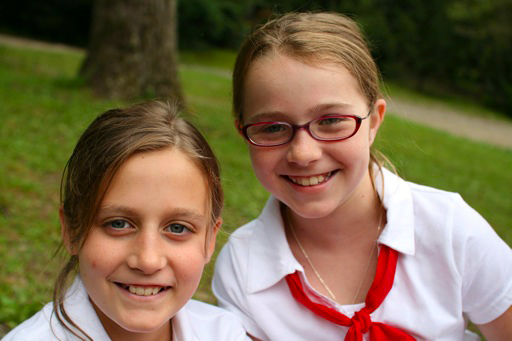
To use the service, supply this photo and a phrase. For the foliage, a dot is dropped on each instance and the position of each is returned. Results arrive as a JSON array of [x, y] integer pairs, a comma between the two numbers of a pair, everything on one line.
[[205, 23], [442, 46], [62, 21]]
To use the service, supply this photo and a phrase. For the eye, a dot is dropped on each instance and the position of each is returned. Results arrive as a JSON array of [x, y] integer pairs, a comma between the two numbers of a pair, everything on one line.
[[331, 120], [118, 224], [273, 128], [176, 228]]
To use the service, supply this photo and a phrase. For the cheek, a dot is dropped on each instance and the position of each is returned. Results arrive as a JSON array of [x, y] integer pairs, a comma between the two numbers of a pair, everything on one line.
[[98, 255], [264, 161], [354, 152], [92, 263], [188, 263], [189, 272]]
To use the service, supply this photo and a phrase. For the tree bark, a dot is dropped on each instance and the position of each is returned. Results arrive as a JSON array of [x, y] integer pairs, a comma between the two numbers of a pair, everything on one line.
[[133, 50]]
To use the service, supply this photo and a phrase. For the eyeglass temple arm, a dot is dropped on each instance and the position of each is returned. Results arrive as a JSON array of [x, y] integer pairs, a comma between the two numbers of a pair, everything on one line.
[[239, 127]]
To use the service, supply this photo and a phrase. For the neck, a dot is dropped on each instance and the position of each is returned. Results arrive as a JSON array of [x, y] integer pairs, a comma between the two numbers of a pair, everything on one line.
[[124, 335], [355, 220]]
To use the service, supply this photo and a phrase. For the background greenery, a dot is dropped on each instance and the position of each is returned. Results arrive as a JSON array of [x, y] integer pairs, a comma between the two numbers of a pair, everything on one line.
[[44, 109], [438, 46]]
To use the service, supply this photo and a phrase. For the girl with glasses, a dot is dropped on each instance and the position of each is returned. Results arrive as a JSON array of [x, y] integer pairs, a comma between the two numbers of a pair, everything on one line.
[[344, 248]]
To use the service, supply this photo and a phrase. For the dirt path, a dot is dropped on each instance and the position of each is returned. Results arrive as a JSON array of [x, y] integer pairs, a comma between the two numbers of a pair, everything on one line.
[[443, 117], [440, 116]]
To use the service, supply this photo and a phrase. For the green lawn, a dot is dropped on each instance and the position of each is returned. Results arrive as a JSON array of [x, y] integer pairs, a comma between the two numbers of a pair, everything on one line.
[[44, 108]]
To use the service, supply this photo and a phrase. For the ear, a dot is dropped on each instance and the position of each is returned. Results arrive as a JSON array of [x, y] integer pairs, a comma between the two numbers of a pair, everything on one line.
[[237, 126], [64, 233], [211, 242], [376, 119]]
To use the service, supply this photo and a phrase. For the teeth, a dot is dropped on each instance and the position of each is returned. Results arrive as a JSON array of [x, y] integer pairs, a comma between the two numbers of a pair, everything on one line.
[[142, 291], [311, 181]]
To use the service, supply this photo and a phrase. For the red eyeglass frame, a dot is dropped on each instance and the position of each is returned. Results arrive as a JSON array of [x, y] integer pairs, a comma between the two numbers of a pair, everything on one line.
[[242, 129]]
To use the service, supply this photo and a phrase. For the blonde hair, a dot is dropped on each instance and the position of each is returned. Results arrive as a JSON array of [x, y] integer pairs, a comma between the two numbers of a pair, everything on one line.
[[105, 145], [312, 38]]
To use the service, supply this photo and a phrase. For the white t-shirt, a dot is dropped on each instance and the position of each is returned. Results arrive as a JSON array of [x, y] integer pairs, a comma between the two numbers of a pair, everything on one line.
[[196, 321], [451, 266]]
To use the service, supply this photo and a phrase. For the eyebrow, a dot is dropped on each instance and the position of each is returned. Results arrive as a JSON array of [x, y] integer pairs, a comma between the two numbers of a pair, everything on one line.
[[329, 106], [182, 213], [273, 115]]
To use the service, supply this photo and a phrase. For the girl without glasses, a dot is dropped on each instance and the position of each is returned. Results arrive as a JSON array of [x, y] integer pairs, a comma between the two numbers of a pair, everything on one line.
[[141, 207], [344, 247]]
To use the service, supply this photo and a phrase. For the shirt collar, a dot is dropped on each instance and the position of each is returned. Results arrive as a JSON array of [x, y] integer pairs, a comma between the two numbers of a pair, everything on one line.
[[396, 196], [270, 257], [182, 328], [80, 310]]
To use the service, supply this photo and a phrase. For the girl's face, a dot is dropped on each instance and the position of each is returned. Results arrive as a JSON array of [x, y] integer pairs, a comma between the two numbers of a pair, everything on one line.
[[144, 255], [280, 88]]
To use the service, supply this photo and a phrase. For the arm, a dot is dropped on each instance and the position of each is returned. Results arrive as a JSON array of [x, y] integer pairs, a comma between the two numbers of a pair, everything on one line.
[[486, 270], [499, 329]]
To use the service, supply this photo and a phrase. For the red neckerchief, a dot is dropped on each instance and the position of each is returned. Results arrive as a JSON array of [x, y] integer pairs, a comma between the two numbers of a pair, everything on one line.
[[361, 323]]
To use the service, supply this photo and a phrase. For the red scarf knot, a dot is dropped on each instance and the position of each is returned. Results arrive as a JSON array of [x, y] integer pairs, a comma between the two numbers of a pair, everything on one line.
[[362, 320]]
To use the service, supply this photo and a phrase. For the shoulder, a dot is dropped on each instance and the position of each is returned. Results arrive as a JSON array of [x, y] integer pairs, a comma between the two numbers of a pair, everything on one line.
[[428, 216], [429, 196], [206, 312], [450, 230], [245, 232], [439, 209], [38, 327], [235, 252], [442, 216], [252, 248], [417, 202], [211, 323], [257, 230]]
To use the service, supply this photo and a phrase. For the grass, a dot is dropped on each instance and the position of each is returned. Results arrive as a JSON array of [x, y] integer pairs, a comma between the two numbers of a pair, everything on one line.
[[44, 108]]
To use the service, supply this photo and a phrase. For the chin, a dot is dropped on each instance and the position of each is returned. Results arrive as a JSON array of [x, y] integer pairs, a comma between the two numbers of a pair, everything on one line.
[[143, 327], [311, 211]]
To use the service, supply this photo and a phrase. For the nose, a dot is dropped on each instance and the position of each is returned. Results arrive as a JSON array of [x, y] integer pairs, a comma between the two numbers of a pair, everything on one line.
[[303, 149], [147, 254]]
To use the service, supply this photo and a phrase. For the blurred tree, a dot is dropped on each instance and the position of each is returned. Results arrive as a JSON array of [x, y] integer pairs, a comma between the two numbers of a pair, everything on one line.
[[206, 23], [483, 33], [132, 49], [62, 21]]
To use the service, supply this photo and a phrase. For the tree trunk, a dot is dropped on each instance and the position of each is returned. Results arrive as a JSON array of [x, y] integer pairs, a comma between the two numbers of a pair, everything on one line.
[[132, 49]]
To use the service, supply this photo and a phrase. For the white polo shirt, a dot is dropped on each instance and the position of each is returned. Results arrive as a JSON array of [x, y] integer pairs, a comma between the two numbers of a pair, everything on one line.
[[196, 321], [451, 266]]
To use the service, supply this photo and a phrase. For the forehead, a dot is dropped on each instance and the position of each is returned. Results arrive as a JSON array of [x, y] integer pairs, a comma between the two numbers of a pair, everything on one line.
[[280, 83], [157, 181]]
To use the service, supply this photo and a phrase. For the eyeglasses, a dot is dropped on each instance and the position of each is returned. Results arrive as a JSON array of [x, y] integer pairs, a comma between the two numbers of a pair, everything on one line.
[[326, 128]]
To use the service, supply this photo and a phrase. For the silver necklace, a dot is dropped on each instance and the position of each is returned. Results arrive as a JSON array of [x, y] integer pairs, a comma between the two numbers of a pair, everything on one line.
[[317, 274]]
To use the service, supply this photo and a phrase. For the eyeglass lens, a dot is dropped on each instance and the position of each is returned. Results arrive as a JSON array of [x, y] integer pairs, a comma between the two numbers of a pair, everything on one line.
[[328, 128]]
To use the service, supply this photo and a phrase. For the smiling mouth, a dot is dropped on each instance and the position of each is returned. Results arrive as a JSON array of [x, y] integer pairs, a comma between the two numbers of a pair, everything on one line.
[[142, 290], [307, 181]]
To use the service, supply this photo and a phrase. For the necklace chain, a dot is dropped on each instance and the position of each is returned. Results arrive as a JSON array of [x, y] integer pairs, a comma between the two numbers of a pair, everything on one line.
[[317, 274]]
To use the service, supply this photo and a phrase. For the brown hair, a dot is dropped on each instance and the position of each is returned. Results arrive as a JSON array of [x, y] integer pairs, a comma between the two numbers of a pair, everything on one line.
[[109, 141], [312, 38]]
